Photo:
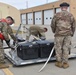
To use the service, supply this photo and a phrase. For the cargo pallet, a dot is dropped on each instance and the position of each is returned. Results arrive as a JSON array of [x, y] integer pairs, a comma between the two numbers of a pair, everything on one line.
[[16, 61]]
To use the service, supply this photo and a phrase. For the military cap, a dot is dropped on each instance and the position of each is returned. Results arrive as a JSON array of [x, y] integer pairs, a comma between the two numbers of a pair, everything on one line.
[[11, 18], [64, 4]]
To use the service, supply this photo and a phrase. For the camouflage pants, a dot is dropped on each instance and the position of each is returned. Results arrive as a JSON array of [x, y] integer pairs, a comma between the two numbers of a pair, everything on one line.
[[1, 52], [62, 46]]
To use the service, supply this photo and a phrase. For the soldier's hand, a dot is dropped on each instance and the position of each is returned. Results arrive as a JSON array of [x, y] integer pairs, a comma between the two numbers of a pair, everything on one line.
[[8, 42], [42, 38], [71, 35], [12, 47]]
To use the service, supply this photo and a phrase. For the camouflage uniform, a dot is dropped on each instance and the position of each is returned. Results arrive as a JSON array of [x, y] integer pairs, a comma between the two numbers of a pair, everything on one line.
[[63, 26], [36, 31], [10, 32], [5, 30]]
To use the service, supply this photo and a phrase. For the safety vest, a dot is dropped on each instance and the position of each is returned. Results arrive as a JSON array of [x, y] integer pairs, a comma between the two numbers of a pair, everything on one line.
[[1, 35]]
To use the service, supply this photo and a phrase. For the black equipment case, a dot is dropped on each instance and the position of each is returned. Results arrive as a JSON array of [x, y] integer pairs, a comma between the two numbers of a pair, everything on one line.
[[28, 50], [20, 39], [45, 48]]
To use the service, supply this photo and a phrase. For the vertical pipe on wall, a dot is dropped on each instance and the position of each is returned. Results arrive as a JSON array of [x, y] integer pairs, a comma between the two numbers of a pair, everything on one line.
[[42, 17], [33, 17], [26, 19]]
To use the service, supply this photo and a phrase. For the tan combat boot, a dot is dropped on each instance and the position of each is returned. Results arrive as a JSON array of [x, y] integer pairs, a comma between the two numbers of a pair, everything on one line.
[[58, 64], [65, 65], [2, 65]]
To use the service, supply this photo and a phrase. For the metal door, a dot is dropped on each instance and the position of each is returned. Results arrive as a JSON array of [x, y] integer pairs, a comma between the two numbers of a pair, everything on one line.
[[23, 18], [30, 18], [48, 15], [38, 17]]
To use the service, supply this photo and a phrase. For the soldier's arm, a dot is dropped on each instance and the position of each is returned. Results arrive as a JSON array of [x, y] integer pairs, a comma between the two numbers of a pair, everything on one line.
[[28, 34], [10, 32], [4, 31], [73, 24], [53, 24]]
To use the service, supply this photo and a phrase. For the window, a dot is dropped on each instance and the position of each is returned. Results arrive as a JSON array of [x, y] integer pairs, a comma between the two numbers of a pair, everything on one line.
[[50, 17], [46, 18], [23, 18], [39, 18], [36, 18]]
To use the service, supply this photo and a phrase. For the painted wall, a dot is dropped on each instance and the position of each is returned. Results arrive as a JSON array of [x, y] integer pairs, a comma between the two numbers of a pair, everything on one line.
[[8, 10]]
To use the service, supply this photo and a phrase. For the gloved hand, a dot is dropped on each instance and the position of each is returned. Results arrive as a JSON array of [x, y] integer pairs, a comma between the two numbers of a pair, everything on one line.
[[71, 35], [12, 47], [8, 42], [42, 38]]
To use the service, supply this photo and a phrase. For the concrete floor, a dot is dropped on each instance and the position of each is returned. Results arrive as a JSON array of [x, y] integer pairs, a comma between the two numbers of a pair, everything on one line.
[[50, 69]]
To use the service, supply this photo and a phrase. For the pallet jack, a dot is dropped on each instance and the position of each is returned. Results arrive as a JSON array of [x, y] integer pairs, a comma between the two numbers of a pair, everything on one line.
[[16, 61]]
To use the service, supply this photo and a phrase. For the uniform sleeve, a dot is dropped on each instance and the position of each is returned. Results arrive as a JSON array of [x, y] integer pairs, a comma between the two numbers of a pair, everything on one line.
[[28, 34], [10, 32], [43, 34], [53, 24], [4, 31], [73, 24]]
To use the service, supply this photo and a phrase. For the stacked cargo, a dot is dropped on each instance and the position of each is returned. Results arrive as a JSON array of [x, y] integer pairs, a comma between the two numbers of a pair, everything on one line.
[[45, 48], [28, 50], [34, 50]]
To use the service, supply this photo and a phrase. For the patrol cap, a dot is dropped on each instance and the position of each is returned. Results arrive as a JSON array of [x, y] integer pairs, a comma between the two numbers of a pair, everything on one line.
[[11, 18], [64, 4]]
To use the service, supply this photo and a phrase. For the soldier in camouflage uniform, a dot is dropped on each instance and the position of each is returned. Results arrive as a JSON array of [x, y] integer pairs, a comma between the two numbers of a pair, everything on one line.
[[5, 29], [63, 26], [36, 31]]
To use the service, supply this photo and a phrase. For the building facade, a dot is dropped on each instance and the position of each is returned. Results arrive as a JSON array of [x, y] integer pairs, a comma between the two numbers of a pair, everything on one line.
[[8, 10], [42, 15]]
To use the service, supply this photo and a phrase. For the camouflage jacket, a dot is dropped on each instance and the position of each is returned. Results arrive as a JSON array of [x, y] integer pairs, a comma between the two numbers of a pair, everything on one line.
[[5, 30], [63, 23], [37, 30], [10, 32]]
